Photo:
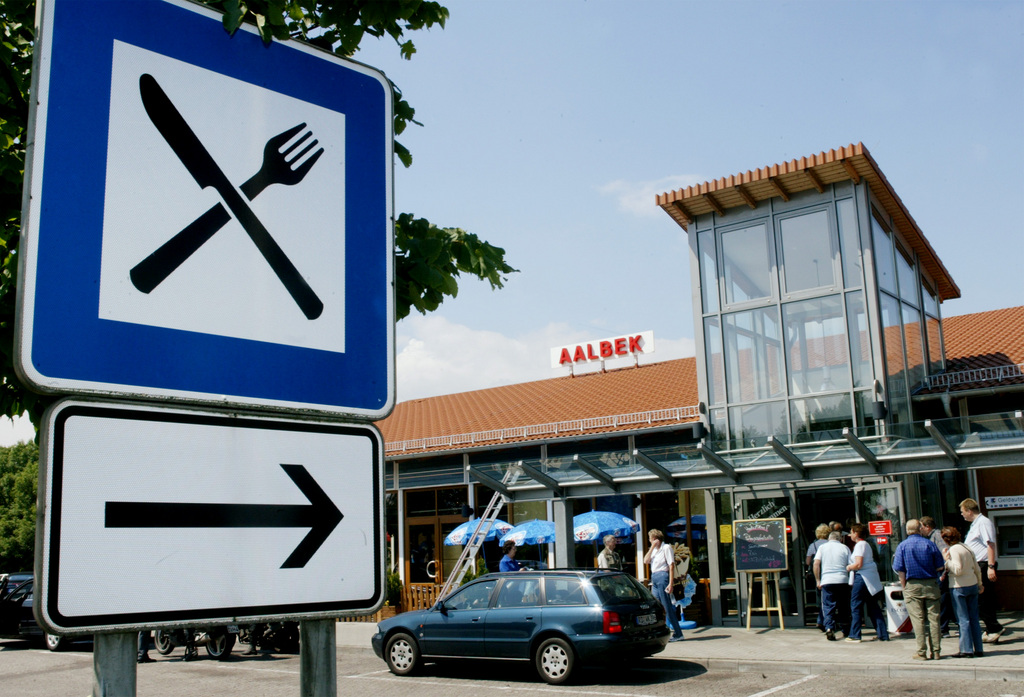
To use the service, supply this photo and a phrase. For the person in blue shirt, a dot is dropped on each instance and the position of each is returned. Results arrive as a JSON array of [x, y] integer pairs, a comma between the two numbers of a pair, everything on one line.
[[919, 562], [508, 562]]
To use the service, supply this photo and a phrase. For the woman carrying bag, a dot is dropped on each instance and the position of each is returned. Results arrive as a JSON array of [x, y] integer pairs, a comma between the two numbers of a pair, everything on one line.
[[965, 585]]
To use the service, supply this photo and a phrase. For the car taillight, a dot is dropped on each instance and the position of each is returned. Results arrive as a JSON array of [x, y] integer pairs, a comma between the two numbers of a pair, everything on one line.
[[612, 625]]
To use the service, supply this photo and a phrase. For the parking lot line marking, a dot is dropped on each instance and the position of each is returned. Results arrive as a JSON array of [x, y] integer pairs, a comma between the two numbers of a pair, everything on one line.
[[772, 690]]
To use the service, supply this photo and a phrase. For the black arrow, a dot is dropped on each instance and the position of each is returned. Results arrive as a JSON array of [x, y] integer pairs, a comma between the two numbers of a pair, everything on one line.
[[321, 516]]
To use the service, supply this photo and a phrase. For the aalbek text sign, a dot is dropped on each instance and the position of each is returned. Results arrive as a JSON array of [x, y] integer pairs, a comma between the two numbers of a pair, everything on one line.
[[622, 346]]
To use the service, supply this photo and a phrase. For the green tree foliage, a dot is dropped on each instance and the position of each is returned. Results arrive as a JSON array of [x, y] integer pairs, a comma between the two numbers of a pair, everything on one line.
[[429, 260], [19, 472]]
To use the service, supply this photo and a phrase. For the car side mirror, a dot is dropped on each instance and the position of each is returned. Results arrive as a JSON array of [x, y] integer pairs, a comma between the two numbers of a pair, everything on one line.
[[440, 607]]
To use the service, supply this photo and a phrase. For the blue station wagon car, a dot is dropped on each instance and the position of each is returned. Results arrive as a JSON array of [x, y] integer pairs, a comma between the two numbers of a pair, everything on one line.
[[557, 619]]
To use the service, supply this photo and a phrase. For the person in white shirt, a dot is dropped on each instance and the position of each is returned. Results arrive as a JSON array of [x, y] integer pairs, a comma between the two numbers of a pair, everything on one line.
[[662, 559], [981, 539], [867, 586], [832, 580]]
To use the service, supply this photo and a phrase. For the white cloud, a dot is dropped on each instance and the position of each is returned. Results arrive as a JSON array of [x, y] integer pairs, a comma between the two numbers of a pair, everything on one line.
[[16, 430], [637, 198], [438, 357]]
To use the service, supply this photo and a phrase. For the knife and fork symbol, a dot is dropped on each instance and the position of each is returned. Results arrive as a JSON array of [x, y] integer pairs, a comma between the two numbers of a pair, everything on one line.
[[279, 167]]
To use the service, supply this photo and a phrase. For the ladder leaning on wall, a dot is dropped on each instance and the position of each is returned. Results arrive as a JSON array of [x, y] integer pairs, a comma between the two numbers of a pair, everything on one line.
[[467, 559]]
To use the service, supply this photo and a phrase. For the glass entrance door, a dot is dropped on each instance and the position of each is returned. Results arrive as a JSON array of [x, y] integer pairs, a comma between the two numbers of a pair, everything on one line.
[[774, 503], [883, 503]]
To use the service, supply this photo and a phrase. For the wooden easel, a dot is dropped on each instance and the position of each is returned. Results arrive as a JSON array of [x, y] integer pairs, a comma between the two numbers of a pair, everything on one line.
[[765, 597]]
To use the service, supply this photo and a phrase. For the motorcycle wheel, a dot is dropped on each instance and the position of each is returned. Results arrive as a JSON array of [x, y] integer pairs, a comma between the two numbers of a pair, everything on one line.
[[220, 646], [162, 642]]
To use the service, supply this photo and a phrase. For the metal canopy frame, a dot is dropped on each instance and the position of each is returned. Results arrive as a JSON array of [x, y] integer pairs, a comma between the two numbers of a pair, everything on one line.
[[991, 440]]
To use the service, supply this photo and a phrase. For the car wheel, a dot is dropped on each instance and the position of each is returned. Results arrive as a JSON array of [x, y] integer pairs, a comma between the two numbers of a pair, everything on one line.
[[220, 646], [162, 642], [402, 654], [54, 642], [554, 660]]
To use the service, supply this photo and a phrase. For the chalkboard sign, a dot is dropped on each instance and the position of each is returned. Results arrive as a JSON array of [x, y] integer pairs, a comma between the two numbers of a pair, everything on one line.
[[761, 544]]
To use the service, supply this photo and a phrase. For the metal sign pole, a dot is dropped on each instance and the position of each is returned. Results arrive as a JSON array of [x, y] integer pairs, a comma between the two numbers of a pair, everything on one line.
[[114, 664], [318, 658]]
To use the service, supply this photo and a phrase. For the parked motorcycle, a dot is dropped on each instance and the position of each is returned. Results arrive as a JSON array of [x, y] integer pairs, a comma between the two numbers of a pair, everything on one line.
[[279, 637], [218, 640]]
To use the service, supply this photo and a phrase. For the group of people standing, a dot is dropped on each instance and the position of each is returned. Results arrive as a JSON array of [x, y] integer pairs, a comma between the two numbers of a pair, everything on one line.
[[848, 582], [927, 562], [970, 567]]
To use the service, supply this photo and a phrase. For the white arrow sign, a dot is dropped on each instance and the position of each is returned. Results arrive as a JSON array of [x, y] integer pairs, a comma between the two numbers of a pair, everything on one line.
[[164, 516]]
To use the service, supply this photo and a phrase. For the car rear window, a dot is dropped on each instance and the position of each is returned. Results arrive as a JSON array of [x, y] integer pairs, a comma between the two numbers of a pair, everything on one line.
[[564, 591], [618, 588]]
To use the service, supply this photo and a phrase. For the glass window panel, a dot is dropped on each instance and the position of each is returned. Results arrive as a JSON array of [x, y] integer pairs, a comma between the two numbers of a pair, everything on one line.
[[806, 252], [915, 346], [419, 503], [816, 346], [821, 418], [746, 261], [892, 338], [715, 360], [849, 242], [708, 271], [749, 427], [753, 355], [451, 501], [862, 402], [935, 353], [931, 300], [860, 339], [719, 432], [885, 264], [907, 276]]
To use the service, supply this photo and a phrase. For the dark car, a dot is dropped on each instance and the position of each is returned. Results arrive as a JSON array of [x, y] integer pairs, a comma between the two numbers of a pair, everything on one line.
[[16, 618], [557, 619]]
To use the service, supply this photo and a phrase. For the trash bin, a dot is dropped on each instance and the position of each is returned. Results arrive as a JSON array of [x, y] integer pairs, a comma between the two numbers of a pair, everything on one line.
[[895, 611]]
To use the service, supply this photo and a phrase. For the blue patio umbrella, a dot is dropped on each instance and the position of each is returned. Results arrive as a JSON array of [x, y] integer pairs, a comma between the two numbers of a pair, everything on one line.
[[588, 527], [677, 528], [461, 534], [532, 532]]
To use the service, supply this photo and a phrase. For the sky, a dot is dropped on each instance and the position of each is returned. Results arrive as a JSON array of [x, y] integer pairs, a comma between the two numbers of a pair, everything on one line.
[[549, 127]]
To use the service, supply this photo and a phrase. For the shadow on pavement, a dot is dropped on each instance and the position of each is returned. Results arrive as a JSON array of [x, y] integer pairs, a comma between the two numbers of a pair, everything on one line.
[[649, 671]]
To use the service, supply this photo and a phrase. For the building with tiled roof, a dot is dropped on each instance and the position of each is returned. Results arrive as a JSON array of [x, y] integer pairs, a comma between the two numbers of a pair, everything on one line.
[[826, 386]]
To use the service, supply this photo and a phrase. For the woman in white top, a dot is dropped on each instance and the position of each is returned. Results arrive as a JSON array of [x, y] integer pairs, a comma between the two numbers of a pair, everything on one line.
[[965, 584], [867, 586], [662, 559]]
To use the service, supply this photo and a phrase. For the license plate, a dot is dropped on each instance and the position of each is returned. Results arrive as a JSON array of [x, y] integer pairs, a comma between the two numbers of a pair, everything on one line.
[[646, 619]]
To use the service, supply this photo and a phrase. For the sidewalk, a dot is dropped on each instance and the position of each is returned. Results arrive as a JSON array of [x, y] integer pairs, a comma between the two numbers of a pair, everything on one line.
[[805, 651]]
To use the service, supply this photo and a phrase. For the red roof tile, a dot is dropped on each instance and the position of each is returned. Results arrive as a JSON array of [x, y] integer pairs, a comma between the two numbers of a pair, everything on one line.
[[984, 340], [651, 387]]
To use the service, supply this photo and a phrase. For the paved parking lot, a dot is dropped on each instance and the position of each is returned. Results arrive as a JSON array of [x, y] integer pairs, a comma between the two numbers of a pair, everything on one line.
[[27, 671]]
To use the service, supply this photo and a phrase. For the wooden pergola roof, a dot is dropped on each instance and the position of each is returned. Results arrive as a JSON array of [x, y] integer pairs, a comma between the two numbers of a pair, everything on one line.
[[852, 163]]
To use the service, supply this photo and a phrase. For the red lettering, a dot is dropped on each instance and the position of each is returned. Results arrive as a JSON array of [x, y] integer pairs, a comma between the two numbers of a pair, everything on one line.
[[620, 346], [565, 357], [590, 352], [634, 344], [606, 349], [579, 355]]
